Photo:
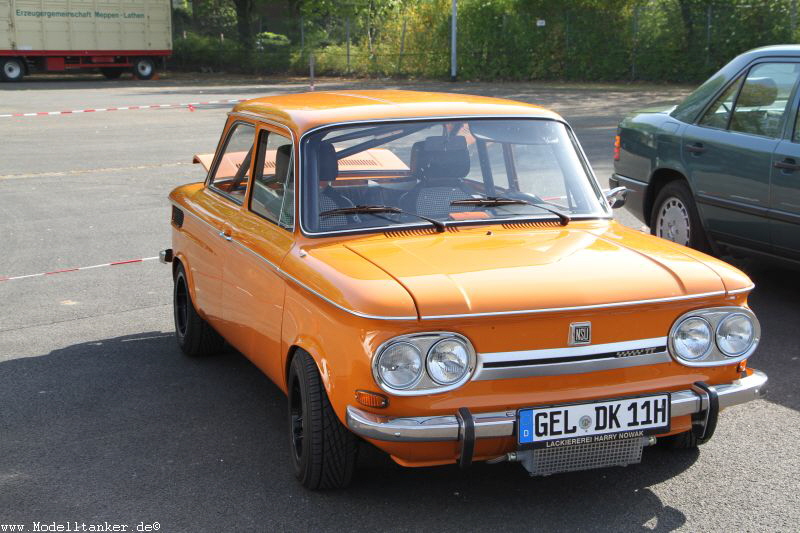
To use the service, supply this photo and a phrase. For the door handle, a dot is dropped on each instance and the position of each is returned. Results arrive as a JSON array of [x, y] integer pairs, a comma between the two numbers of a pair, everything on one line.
[[787, 164], [695, 148], [226, 236]]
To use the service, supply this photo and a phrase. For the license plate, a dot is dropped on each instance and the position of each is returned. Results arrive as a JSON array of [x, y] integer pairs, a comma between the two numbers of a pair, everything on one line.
[[584, 423]]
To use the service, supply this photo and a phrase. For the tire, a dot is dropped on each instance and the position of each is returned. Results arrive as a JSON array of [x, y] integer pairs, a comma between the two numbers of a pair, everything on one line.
[[323, 451], [196, 338], [675, 217], [12, 69], [111, 73], [682, 441], [144, 68]]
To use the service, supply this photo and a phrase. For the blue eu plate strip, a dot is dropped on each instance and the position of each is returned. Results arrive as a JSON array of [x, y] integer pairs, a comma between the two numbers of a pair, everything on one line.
[[525, 426]]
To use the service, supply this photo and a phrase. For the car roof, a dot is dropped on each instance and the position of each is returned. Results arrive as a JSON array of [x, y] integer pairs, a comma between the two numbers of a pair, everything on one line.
[[304, 111]]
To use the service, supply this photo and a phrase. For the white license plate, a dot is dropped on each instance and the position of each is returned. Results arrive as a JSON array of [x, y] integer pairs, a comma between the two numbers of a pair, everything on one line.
[[584, 423]]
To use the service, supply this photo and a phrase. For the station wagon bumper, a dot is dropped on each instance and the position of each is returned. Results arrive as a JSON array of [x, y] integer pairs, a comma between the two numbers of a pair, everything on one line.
[[501, 424]]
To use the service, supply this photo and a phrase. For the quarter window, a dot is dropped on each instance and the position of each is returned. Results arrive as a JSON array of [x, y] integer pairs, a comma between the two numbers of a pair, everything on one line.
[[720, 111], [232, 172], [273, 186], [764, 98]]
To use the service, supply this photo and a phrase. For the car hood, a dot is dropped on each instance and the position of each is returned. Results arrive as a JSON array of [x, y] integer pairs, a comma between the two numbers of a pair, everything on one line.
[[476, 271]]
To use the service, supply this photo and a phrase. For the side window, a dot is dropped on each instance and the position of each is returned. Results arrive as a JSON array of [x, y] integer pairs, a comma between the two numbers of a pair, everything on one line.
[[764, 98], [796, 134], [720, 111], [232, 173], [273, 186]]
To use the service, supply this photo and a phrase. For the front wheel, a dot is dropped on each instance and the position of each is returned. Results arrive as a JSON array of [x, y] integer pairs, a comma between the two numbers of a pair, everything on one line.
[[12, 69], [144, 68], [323, 450], [675, 217]]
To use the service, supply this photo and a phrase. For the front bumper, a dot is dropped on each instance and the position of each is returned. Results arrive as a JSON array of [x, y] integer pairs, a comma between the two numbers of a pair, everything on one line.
[[501, 424]]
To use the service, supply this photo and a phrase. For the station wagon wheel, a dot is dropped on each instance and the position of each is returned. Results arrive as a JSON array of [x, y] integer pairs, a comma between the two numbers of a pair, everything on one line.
[[324, 451], [675, 217], [195, 336]]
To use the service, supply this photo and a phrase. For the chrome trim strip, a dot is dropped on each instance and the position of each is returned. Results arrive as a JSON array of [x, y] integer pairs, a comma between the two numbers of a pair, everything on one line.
[[578, 307], [501, 424], [572, 367], [283, 273], [746, 289], [550, 353], [377, 229]]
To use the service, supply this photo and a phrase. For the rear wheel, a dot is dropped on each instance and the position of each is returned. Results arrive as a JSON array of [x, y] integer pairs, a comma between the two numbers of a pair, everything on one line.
[[195, 336], [676, 219], [323, 450], [111, 73], [144, 68], [12, 69]]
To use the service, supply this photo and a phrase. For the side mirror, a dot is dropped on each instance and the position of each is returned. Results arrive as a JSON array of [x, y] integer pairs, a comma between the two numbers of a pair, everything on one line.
[[616, 197]]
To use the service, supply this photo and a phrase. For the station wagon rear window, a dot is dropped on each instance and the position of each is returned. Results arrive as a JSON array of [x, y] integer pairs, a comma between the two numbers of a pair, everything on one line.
[[448, 171]]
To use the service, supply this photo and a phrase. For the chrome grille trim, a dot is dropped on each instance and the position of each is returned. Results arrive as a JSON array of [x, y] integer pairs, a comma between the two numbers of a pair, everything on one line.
[[573, 360]]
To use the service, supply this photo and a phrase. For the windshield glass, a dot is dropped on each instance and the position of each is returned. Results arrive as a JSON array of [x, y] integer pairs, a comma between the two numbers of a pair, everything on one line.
[[418, 169]]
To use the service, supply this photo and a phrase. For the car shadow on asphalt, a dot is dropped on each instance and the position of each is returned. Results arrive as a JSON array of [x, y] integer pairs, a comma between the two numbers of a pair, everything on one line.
[[776, 302], [128, 429]]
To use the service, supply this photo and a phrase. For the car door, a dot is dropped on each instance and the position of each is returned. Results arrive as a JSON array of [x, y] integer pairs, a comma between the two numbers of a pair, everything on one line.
[[262, 235], [216, 204], [785, 192], [728, 153]]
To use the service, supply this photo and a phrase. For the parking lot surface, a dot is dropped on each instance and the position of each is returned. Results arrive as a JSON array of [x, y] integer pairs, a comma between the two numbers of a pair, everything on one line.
[[103, 420]]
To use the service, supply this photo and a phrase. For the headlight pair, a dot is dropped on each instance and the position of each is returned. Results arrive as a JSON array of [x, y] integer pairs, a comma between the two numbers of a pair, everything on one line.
[[717, 336], [424, 363]]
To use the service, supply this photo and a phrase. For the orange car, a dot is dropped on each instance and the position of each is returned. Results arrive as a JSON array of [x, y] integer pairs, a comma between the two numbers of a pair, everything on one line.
[[440, 275]]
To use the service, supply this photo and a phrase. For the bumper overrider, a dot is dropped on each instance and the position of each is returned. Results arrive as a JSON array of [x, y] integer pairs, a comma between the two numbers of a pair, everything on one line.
[[702, 401]]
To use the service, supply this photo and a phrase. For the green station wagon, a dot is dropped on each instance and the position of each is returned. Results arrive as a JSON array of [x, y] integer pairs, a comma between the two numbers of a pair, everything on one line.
[[720, 172]]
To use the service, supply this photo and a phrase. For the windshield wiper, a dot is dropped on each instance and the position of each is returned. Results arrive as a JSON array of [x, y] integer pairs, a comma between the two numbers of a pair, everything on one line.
[[377, 209], [495, 201]]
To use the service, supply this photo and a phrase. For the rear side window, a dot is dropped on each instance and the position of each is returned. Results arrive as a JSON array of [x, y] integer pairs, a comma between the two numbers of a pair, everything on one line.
[[232, 170], [273, 186], [763, 100], [719, 113]]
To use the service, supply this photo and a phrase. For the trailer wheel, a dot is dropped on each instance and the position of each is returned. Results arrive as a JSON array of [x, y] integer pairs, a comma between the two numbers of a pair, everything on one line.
[[12, 69], [144, 68], [111, 73]]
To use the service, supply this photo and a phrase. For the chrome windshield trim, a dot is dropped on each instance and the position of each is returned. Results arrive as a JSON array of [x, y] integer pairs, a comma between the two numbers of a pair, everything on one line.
[[288, 276], [577, 307], [502, 424], [378, 229]]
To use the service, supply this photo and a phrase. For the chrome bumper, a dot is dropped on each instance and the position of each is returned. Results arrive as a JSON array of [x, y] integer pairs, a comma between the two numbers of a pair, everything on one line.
[[487, 425]]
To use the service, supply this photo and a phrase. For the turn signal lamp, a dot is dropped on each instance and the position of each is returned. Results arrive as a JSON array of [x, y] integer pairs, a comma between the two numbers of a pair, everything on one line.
[[371, 399], [616, 148]]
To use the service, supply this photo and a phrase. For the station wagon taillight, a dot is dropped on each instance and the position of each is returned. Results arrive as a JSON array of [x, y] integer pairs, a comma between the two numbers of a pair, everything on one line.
[[616, 148]]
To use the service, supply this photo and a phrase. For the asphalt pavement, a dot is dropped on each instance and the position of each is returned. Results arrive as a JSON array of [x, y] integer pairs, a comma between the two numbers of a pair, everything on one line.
[[103, 421]]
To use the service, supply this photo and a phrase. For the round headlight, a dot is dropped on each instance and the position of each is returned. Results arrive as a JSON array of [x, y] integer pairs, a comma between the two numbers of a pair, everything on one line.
[[735, 335], [692, 338], [448, 361], [400, 365]]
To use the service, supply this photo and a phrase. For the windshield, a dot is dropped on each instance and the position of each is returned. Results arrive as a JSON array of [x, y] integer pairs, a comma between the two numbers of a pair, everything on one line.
[[439, 169]]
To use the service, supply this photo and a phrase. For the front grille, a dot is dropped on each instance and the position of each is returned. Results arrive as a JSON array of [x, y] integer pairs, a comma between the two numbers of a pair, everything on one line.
[[622, 452]]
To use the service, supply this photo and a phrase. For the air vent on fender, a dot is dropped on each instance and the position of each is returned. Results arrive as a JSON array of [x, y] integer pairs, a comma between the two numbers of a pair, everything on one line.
[[177, 217]]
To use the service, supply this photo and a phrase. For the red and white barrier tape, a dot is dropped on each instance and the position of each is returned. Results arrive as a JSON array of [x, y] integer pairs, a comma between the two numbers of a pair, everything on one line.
[[64, 270], [191, 106]]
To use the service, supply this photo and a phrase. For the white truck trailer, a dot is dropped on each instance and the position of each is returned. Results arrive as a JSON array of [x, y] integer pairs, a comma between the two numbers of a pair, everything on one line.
[[113, 36]]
